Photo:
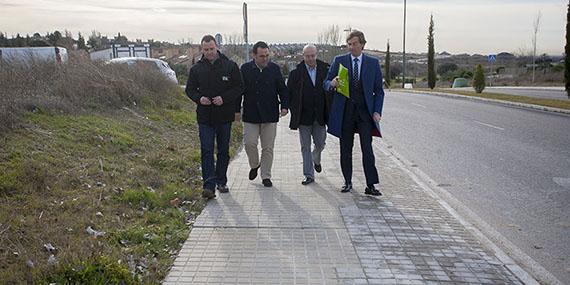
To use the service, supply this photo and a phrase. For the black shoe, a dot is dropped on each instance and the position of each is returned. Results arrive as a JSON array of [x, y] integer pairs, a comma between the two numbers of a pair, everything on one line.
[[253, 173], [346, 188], [370, 190], [318, 168], [307, 181], [223, 188], [267, 182], [209, 193]]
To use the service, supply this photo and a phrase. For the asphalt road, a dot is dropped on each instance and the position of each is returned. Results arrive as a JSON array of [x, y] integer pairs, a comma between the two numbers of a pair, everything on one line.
[[537, 92], [510, 166]]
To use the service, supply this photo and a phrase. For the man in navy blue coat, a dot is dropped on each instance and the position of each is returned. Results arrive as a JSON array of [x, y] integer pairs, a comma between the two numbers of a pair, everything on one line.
[[265, 99], [361, 112]]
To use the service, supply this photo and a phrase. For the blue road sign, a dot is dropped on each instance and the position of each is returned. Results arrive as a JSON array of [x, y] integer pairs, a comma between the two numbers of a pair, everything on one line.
[[492, 58]]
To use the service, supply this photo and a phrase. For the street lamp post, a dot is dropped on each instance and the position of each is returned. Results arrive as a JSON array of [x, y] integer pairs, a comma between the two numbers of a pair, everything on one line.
[[404, 51]]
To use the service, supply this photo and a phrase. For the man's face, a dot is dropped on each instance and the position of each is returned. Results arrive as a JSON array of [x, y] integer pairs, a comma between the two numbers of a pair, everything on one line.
[[210, 50], [310, 56], [261, 57], [355, 46]]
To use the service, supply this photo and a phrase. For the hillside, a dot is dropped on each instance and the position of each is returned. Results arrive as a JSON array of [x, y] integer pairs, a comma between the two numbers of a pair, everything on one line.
[[99, 174]]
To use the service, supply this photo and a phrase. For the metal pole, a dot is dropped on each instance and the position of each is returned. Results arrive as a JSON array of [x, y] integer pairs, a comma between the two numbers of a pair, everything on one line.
[[404, 50], [245, 31]]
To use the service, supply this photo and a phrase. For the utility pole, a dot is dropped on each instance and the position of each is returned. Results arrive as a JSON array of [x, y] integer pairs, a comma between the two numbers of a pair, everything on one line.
[[535, 30], [404, 50], [245, 31]]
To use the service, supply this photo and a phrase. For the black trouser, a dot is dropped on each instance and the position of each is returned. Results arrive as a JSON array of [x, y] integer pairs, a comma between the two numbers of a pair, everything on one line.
[[356, 119]]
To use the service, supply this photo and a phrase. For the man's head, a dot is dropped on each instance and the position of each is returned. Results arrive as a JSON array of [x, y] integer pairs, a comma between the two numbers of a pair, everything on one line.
[[209, 48], [261, 54], [355, 42], [310, 55]]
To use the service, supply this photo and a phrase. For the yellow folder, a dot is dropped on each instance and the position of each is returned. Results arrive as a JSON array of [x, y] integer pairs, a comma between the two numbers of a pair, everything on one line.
[[343, 82]]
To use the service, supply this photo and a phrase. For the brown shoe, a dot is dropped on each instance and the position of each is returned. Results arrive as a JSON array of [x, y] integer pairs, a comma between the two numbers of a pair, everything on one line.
[[209, 193], [223, 188]]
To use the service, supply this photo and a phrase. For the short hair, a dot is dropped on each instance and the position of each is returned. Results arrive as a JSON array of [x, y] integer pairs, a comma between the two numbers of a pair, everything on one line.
[[308, 46], [207, 39], [358, 34], [257, 45]]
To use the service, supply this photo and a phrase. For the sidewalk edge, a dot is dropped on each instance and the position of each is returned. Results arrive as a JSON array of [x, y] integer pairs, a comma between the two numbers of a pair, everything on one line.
[[529, 271]]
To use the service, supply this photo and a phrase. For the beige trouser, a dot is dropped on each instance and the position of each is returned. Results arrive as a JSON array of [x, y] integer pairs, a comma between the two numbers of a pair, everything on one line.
[[252, 133]]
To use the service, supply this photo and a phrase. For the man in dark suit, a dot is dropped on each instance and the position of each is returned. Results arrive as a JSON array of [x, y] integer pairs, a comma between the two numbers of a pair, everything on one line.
[[360, 112], [309, 109]]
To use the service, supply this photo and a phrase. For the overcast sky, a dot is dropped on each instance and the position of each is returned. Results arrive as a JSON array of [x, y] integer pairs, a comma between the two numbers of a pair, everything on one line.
[[461, 26]]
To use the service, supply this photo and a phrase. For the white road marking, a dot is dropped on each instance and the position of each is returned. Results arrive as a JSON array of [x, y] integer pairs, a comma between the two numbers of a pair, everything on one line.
[[562, 181], [419, 105], [488, 125]]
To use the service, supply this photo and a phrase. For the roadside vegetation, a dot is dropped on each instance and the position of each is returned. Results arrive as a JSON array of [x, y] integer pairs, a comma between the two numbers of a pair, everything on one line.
[[561, 104], [99, 173]]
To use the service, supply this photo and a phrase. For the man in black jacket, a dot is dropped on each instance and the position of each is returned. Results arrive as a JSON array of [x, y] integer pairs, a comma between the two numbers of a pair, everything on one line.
[[265, 98], [214, 83], [309, 109]]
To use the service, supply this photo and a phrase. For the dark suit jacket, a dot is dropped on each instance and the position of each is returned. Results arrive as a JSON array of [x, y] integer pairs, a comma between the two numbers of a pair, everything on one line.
[[371, 78], [300, 84], [264, 95]]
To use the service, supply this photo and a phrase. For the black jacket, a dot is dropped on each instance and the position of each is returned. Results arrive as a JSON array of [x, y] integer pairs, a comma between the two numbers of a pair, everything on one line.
[[263, 92], [300, 83], [210, 80]]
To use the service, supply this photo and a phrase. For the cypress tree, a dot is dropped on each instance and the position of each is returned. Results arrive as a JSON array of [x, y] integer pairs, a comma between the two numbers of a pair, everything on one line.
[[387, 65], [567, 52], [479, 79], [431, 56]]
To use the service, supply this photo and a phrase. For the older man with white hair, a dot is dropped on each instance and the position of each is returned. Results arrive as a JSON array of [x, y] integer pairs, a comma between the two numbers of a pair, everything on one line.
[[309, 105]]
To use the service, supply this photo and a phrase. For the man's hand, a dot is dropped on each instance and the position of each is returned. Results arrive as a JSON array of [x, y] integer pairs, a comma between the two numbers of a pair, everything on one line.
[[334, 82], [376, 117], [284, 112], [205, 101], [218, 101], [238, 117]]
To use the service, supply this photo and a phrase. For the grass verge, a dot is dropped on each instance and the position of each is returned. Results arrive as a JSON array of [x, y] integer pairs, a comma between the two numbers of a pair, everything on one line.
[[561, 104], [101, 194]]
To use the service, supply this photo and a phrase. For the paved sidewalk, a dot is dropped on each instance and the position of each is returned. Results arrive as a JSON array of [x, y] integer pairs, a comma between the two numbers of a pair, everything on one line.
[[295, 234]]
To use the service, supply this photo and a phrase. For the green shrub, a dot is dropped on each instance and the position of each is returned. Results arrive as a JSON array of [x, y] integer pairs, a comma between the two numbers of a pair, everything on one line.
[[479, 79], [101, 270]]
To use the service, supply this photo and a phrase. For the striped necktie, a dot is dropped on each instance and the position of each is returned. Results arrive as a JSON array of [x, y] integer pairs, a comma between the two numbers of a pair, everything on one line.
[[355, 75]]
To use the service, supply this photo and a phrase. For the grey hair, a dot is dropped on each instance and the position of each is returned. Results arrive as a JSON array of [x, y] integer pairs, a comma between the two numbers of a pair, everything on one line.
[[308, 46]]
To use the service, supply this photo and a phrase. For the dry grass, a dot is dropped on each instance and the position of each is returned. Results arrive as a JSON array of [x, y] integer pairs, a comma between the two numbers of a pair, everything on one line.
[[87, 138], [76, 87], [561, 104]]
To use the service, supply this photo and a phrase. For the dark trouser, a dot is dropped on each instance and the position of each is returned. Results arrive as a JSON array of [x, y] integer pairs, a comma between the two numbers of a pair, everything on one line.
[[215, 172], [355, 119]]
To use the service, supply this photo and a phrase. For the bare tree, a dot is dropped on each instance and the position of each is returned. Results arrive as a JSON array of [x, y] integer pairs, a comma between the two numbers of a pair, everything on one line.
[[330, 36], [536, 26], [233, 47], [233, 39]]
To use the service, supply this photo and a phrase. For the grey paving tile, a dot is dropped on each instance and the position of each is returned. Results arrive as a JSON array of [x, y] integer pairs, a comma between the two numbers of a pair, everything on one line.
[[294, 234]]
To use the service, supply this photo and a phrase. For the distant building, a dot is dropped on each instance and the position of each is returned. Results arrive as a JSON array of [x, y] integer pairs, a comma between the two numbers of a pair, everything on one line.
[[117, 51]]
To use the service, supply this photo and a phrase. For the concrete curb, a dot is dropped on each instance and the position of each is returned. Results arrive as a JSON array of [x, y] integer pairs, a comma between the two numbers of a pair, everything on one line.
[[520, 264], [507, 103]]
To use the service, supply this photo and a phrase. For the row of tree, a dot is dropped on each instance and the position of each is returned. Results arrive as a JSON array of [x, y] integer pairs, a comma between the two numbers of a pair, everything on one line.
[[95, 41], [49, 39]]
